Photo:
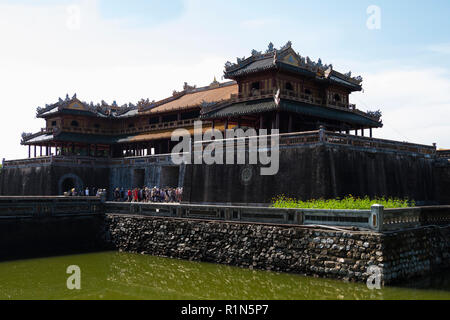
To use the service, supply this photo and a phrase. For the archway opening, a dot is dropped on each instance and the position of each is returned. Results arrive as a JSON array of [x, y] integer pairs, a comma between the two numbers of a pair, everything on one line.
[[68, 184]]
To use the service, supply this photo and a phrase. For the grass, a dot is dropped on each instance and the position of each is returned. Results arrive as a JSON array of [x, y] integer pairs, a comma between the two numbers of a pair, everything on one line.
[[348, 203]]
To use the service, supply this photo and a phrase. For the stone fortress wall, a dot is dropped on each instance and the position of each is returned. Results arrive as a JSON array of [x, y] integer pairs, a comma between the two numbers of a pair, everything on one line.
[[311, 166], [43, 226], [338, 254]]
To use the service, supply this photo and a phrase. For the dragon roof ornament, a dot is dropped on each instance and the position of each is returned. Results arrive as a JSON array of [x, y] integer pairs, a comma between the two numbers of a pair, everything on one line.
[[102, 108], [304, 62]]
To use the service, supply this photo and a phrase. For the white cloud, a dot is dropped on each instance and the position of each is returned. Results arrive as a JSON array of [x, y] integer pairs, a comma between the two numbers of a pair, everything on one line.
[[415, 104], [41, 59], [258, 23], [443, 48]]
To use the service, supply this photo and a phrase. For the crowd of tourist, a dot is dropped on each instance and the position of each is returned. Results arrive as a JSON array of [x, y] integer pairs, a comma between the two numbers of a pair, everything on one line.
[[148, 195], [145, 194], [88, 192]]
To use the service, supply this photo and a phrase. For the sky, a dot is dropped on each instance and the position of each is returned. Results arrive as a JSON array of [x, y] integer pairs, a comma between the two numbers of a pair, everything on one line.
[[124, 51]]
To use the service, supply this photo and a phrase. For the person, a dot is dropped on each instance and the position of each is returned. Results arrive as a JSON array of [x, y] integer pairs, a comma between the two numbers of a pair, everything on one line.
[[129, 195], [86, 192], [135, 195], [140, 195], [116, 195], [122, 194]]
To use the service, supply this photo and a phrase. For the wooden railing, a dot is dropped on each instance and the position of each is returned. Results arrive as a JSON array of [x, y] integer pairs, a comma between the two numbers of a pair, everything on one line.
[[443, 154], [300, 97], [136, 130]]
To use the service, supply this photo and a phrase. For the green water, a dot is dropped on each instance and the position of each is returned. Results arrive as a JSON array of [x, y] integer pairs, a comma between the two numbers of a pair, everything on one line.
[[113, 275]]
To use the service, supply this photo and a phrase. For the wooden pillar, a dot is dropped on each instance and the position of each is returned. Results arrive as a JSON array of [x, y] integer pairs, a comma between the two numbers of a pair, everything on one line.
[[261, 121], [226, 124], [35, 151], [362, 132], [40, 147], [29, 151]]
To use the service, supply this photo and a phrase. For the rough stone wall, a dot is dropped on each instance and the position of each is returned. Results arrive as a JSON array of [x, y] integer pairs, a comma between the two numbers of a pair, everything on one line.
[[322, 171], [324, 253], [417, 252]]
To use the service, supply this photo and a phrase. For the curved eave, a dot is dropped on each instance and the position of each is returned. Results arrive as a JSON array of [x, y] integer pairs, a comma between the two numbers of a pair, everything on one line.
[[43, 138], [297, 70], [261, 106], [329, 113], [241, 109]]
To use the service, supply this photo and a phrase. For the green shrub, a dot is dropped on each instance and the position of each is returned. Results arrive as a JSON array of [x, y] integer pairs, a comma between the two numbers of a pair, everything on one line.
[[348, 203]]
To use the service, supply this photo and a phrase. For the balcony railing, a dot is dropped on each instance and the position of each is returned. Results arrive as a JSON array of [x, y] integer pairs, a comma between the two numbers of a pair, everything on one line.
[[292, 95], [328, 137], [140, 129]]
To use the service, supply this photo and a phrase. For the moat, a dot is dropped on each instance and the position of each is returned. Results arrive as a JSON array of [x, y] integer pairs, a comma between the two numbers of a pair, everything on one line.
[[113, 275]]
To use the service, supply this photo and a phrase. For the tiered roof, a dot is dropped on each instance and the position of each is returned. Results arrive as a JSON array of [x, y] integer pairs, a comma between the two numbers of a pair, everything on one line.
[[189, 98], [287, 59]]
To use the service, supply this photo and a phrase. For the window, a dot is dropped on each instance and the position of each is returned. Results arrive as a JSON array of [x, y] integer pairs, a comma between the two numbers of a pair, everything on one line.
[[53, 123], [96, 126], [74, 123], [153, 120], [307, 91], [170, 118], [337, 97], [289, 86], [190, 115], [131, 125], [256, 86]]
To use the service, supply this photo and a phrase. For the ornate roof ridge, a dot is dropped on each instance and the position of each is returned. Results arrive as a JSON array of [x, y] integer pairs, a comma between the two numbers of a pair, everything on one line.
[[112, 110], [276, 54], [187, 89]]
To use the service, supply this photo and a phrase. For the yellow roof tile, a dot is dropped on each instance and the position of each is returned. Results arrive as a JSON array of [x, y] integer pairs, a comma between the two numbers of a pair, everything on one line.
[[194, 99]]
